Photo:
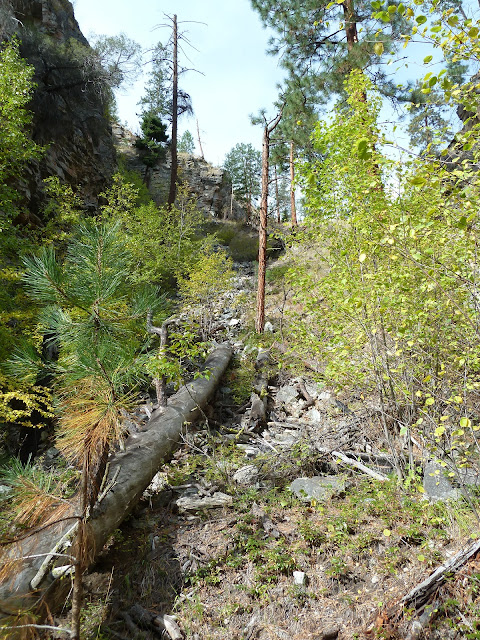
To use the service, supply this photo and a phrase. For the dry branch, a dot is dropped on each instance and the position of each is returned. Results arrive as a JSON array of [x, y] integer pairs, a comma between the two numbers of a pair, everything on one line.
[[420, 594]]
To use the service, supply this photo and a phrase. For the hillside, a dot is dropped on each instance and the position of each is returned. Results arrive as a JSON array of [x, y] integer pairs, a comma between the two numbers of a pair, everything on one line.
[[240, 404]]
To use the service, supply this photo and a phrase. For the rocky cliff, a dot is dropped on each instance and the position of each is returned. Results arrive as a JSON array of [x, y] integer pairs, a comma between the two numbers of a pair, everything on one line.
[[210, 185], [69, 103]]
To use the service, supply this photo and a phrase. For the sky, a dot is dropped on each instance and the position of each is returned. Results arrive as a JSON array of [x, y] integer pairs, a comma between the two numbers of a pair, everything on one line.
[[238, 79]]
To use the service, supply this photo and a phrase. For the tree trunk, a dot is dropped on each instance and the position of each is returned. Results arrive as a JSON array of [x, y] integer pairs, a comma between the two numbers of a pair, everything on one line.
[[350, 24], [200, 142], [293, 208], [174, 169], [277, 197], [129, 474], [262, 235], [262, 230]]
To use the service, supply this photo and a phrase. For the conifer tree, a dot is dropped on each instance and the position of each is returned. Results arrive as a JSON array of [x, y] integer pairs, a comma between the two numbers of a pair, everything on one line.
[[243, 164], [97, 325], [320, 41]]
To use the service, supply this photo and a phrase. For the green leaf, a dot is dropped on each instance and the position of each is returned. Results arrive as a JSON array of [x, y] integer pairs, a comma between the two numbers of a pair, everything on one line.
[[378, 48], [418, 181], [421, 19], [427, 59]]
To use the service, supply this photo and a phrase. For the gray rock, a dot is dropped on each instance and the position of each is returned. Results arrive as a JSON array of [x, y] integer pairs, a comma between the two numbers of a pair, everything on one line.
[[299, 578], [234, 322], [268, 327], [158, 483], [313, 415], [247, 475], [286, 395], [436, 485], [286, 439], [314, 389], [318, 487], [196, 503]]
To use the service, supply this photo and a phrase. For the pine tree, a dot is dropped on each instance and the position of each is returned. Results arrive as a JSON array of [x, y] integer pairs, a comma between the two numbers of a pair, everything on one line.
[[97, 325], [243, 164], [320, 42]]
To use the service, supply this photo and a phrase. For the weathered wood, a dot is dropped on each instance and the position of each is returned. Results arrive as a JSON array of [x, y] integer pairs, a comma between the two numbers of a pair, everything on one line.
[[420, 594], [133, 469], [359, 465]]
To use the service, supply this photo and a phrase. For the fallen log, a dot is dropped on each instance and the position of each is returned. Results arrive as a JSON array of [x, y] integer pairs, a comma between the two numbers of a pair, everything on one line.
[[129, 474]]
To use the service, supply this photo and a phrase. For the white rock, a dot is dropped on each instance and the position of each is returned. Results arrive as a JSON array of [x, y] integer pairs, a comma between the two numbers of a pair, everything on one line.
[[268, 327], [234, 322], [299, 578]]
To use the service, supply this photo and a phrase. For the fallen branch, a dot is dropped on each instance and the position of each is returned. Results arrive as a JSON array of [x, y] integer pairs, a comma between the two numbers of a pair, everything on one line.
[[420, 594], [358, 465]]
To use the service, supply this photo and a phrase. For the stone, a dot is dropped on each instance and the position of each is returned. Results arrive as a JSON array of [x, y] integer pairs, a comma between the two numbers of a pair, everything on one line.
[[314, 389], [318, 487], [313, 415], [299, 578], [436, 485], [268, 328], [329, 634], [286, 395], [247, 475], [233, 322], [159, 483], [197, 503]]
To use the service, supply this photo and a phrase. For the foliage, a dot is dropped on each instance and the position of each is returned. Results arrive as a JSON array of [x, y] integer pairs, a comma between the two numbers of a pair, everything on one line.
[[243, 164], [162, 241], [158, 92], [16, 147], [119, 57], [390, 304], [186, 144], [153, 140], [207, 278], [97, 327], [321, 42], [36, 496]]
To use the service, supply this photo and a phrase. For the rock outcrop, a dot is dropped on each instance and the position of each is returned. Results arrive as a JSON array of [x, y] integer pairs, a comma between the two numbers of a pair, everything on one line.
[[69, 104], [210, 185]]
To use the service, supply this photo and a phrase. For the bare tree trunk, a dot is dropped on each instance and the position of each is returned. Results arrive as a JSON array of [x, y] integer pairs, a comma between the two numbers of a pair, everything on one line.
[[200, 142], [293, 208], [174, 168], [276, 196], [262, 230]]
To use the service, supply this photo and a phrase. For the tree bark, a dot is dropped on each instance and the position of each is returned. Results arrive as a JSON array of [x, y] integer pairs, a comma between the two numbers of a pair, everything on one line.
[[200, 142], [262, 230], [129, 474], [174, 168], [293, 208]]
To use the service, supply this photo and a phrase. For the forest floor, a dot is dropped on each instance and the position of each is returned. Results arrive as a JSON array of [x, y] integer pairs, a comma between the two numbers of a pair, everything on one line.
[[270, 562]]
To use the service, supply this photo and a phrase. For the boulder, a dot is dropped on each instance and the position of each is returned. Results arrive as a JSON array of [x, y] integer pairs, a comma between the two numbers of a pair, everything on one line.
[[318, 487]]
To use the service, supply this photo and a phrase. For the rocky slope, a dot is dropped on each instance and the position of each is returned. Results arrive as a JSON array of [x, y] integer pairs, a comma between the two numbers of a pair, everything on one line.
[[69, 103]]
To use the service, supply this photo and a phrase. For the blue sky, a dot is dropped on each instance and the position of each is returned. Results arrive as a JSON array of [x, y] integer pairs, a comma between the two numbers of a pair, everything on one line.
[[239, 78]]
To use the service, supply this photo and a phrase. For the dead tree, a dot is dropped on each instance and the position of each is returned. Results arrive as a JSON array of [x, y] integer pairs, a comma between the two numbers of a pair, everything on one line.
[[262, 230], [172, 194]]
